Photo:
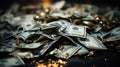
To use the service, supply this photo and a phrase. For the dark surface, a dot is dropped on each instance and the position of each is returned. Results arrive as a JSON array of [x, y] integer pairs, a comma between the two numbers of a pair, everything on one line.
[[104, 59], [100, 59]]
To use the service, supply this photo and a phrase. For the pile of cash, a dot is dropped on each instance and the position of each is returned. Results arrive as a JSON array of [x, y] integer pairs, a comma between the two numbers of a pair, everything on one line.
[[63, 30]]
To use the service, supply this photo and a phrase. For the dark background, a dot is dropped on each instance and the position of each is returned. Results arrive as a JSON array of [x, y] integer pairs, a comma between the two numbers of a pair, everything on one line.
[[4, 4]]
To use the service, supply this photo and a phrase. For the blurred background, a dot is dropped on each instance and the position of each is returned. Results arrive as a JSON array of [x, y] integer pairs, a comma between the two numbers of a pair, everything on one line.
[[4, 4]]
